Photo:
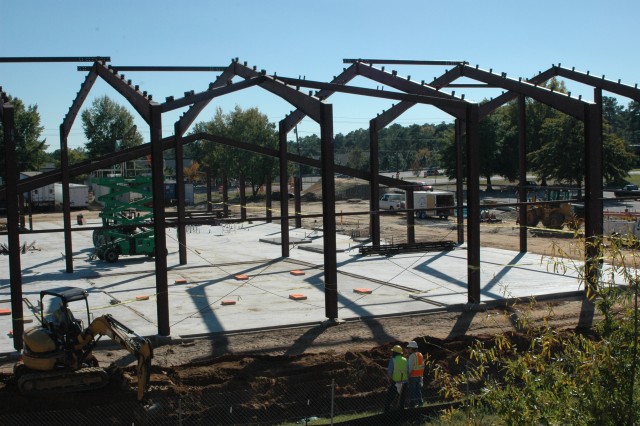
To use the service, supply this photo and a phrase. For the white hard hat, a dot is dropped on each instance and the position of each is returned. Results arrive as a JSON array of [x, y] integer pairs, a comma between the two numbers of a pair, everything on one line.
[[412, 344]]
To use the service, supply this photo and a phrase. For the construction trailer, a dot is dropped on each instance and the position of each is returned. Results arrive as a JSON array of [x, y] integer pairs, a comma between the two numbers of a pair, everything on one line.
[[42, 198], [78, 195], [433, 204]]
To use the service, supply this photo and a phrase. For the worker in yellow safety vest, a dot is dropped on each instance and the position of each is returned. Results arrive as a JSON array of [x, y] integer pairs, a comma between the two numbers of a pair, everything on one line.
[[415, 373], [397, 373]]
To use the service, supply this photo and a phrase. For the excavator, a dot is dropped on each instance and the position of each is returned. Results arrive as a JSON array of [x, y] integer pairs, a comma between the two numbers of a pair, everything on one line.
[[58, 354]]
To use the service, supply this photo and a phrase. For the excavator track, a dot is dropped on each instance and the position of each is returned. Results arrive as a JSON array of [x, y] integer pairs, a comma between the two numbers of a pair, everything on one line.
[[38, 383]]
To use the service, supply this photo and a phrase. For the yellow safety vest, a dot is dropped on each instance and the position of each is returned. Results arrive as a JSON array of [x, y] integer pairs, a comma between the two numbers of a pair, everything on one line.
[[399, 369]]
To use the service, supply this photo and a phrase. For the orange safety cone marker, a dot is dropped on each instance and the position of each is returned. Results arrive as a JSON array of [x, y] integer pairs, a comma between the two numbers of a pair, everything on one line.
[[362, 290], [297, 296], [297, 272]]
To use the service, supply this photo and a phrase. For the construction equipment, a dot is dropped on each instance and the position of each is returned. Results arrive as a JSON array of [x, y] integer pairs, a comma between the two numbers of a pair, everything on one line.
[[58, 354], [557, 214], [126, 218]]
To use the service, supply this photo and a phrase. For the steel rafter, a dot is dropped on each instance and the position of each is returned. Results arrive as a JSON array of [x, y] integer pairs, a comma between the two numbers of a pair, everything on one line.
[[138, 100], [7, 59], [210, 94], [597, 82]]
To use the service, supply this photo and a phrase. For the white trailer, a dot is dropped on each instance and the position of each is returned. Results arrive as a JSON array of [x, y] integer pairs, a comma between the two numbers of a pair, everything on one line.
[[78, 195], [40, 198], [433, 203]]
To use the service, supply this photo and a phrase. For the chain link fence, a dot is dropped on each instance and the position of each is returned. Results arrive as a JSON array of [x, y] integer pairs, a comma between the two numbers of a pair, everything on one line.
[[263, 402]]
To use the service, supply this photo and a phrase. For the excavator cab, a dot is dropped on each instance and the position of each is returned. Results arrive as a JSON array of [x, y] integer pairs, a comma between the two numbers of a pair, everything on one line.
[[59, 318]]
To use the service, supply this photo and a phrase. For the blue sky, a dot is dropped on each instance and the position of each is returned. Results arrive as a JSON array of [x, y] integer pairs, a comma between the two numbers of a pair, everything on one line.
[[302, 38]]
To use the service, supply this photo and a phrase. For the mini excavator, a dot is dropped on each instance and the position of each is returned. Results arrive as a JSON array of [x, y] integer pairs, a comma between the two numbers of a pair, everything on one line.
[[58, 354]]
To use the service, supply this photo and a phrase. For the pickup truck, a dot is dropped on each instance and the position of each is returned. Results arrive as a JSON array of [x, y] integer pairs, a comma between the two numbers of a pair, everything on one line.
[[627, 191], [392, 201]]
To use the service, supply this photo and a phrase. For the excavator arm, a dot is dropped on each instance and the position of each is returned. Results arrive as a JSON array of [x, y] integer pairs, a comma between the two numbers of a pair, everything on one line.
[[139, 346]]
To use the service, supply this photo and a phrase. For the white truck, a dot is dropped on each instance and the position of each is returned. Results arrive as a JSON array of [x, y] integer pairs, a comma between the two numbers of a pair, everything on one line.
[[392, 201], [433, 203]]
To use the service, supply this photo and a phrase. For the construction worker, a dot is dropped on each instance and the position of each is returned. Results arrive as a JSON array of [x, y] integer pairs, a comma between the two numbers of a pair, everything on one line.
[[397, 373], [415, 373]]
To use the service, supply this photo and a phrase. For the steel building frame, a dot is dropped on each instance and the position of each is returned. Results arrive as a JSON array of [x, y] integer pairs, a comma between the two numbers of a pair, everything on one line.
[[467, 117]]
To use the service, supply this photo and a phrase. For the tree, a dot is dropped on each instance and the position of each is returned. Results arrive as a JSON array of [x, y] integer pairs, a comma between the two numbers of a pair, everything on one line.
[[545, 376], [76, 155], [30, 149], [250, 126], [108, 128]]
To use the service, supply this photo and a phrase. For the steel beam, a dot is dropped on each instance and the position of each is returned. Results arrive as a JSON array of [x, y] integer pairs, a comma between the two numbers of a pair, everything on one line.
[[473, 203], [460, 178], [210, 94], [593, 191], [522, 170], [137, 99], [160, 239], [600, 83], [243, 197], [180, 193], [559, 101], [13, 222], [269, 210], [284, 189], [411, 218], [65, 129], [8, 59], [403, 62], [374, 187], [328, 211], [296, 116]]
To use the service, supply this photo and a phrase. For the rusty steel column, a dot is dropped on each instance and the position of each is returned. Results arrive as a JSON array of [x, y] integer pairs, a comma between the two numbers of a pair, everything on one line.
[[329, 211], [13, 223], [297, 187], [243, 198], [374, 185], [159, 219], [284, 189], [411, 221], [225, 195], [473, 203], [593, 203], [180, 193], [460, 180], [268, 206], [522, 166], [209, 187], [66, 205]]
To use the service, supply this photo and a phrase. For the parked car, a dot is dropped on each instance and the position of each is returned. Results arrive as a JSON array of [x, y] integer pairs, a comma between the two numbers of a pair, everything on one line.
[[422, 186], [431, 172]]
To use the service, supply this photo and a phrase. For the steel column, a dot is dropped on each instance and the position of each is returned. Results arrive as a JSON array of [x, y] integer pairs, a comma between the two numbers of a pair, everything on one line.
[[179, 154], [374, 186], [66, 206], [411, 221], [268, 205], [297, 187], [209, 206], [473, 204], [522, 166], [328, 211], [460, 180], [284, 189], [160, 239], [225, 195], [243, 198], [13, 223], [593, 190]]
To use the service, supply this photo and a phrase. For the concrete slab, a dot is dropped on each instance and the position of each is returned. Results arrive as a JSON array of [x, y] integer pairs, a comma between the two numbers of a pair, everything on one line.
[[404, 283]]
